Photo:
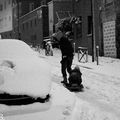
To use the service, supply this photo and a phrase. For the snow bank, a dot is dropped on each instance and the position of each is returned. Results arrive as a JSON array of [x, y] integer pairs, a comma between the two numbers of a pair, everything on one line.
[[29, 74], [14, 111], [10, 48], [64, 106], [28, 77], [59, 108]]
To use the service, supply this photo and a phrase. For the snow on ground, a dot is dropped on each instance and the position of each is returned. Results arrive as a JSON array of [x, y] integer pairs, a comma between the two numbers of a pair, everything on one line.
[[59, 108], [34, 74], [12, 48], [20, 66], [102, 84], [99, 101], [87, 111]]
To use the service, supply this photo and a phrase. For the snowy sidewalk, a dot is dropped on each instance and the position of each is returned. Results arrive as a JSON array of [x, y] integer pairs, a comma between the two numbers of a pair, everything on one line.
[[108, 66], [101, 101], [103, 82], [59, 108]]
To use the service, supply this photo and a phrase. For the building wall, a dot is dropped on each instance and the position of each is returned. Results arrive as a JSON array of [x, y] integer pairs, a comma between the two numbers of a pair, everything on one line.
[[117, 6], [34, 26], [45, 2], [61, 7], [109, 29], [58, 8], [25, 5], [82, 9]]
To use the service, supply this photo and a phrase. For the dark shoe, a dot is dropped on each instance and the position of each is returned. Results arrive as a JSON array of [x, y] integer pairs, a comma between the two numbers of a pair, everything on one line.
[[64, 82]]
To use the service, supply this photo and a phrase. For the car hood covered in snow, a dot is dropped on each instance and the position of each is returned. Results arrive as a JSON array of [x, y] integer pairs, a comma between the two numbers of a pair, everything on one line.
[[30, 77], [22, 71]]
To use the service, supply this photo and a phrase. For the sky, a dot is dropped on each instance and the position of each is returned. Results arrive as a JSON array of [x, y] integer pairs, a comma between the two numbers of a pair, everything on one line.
[[100, 99]]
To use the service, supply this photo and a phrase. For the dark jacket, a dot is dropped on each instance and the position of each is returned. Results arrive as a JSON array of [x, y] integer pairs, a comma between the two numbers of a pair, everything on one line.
[[75, 76], [66, 47]]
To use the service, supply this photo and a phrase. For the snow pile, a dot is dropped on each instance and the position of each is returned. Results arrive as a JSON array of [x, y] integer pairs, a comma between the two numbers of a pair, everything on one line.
[[10, 48], [29, 74], [101, 101], [27, 77], [14, 111], [64, 106], [59, 107], [85, 111]]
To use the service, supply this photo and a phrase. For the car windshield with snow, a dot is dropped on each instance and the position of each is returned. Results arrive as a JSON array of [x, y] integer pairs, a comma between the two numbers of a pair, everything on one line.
[[24, 76]]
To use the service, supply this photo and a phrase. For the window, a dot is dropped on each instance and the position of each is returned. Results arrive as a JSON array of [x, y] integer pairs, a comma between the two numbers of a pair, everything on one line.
[[5, 5], [1, 7], [79, 27], [27, 25], [31, 23], [9, 18], [108, 2], [10, 35], [35, 21], [33, 40], [43, 2], [31, 6], [9, 1], [23, 26], [89, 24]]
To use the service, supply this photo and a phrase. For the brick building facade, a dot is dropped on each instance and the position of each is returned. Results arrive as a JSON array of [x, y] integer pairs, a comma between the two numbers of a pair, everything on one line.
[[106, 20], [34, 26], [82, 10], [31, 25], [111, 28]]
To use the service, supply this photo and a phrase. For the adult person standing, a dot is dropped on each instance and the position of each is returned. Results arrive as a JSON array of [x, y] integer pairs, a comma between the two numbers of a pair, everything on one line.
[[67, 52]]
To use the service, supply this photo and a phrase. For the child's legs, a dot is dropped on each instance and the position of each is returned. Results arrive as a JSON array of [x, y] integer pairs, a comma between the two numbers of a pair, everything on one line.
[[69, 64]]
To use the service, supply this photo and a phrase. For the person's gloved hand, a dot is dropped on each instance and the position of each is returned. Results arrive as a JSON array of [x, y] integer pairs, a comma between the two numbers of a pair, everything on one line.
[[64, 56]]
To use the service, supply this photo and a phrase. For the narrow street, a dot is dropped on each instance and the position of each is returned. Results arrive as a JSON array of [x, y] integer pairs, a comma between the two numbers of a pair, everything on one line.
[[101, 90]]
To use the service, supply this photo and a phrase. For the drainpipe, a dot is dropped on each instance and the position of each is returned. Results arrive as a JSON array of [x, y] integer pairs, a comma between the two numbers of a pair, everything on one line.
[[93, 31], [74, 15], [18, 32]]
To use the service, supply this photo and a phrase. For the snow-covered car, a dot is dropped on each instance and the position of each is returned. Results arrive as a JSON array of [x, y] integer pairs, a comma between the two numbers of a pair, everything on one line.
[[26, 91], [24, 76]]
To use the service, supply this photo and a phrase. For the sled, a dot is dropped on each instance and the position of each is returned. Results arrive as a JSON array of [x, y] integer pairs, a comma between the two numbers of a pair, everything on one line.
[[74, 87]]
